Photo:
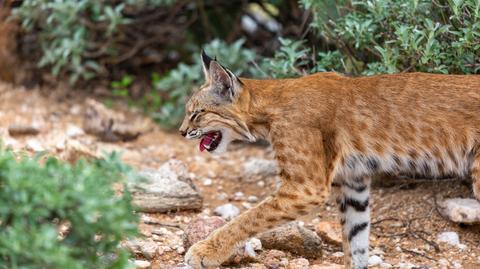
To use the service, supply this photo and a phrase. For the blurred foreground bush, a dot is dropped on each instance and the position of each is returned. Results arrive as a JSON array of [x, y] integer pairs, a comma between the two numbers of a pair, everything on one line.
[[56, 215]]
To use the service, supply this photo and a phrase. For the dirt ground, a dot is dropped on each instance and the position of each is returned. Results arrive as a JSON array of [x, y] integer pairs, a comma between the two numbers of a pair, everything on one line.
[[405, 221]]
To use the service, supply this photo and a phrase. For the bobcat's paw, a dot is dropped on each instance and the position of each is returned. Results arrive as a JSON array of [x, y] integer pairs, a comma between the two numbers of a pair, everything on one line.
[[204, 255]]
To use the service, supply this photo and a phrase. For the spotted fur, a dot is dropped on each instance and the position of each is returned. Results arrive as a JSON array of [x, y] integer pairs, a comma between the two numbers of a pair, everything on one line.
[[328, 129]]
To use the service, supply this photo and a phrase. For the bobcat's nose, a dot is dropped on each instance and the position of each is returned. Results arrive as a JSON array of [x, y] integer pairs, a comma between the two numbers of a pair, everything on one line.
[[183, 132]]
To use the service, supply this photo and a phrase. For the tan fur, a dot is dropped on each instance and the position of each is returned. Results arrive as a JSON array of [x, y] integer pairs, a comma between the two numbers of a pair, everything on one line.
[[416, 122]]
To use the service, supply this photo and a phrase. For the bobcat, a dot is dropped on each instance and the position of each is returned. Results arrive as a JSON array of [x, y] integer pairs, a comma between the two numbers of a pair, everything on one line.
[[329, 129]]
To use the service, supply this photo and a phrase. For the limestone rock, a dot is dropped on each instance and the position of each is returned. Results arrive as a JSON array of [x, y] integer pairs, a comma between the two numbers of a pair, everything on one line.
[[23, 129], [293, 238], [166, 189], [450, 238], [110, 125], [461, 210]]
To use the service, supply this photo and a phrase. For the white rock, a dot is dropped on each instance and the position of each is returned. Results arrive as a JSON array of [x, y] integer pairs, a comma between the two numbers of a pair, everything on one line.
[[443, 262], [141, 264], [261, 183], [34, 144], [207, 182], [75, 109], [249, 251], [457, 265], [374, 260], [252, 199], [385, 265], [338, 254], [238, 196], [256, 243], [247, 205], [461, 210], [74, 131], [180, 250], [166, 189], [10, 142], [222, 196], [227, 211], [450, 238]]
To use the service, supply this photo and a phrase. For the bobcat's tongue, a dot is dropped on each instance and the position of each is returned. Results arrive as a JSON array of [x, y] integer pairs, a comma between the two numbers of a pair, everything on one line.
[[210, 141]]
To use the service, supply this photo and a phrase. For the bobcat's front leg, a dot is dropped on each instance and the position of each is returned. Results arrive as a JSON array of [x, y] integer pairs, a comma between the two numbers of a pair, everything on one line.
[[306, 173], [290, 202]]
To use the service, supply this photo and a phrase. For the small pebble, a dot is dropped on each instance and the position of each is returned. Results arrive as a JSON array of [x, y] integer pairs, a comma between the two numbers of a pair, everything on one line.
[[180, 250], [207, 182], [450, 238], [35, 145], [457, 265], [142, 264], [374, 260], [227, 211], [338, 254], [238, 196], [74, 131], [300, 263]]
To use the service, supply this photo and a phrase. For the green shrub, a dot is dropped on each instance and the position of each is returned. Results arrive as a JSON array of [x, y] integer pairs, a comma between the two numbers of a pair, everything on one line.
[[294, 58], [383, 36], [56, 215], [79, 39]]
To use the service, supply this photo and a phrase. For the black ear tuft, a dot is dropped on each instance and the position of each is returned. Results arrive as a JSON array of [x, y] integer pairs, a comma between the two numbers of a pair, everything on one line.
[[206, 60]]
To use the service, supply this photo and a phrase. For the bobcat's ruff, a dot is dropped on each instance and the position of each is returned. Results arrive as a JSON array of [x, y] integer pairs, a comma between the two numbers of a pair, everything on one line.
[[326, 128]]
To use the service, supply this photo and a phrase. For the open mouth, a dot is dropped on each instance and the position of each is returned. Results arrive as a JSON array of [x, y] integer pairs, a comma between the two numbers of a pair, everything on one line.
[[210, 141]]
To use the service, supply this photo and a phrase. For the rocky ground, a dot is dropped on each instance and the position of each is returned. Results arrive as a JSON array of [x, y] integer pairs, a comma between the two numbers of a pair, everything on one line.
[[187, 190]]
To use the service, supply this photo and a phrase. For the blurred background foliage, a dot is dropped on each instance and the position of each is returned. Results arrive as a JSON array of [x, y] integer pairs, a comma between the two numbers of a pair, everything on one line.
[[148, 51]]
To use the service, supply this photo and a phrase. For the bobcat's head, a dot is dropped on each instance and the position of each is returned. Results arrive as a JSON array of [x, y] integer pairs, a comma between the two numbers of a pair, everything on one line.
[[215, 113]]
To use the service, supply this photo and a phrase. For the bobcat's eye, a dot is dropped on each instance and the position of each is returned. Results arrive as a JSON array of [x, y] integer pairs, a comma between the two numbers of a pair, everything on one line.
[[195, 114]]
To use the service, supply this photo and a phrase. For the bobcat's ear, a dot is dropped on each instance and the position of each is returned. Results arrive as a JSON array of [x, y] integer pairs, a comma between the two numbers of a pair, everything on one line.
[[224, 82], [206, 60]]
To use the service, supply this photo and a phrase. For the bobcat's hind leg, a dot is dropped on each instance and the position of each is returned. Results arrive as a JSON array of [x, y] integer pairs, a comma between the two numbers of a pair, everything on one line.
[[355, 220], [475, 173]]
